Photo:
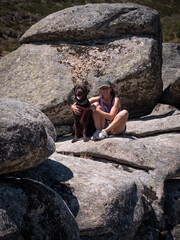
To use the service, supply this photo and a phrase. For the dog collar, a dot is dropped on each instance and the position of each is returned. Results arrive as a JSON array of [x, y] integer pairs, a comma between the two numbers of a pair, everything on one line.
[[82, 103]]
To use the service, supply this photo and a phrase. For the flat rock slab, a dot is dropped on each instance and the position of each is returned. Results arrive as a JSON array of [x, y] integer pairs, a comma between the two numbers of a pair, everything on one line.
[[95, 21], [145, 153], [159, 156], [153, 125], [125, 150], [26, 136]]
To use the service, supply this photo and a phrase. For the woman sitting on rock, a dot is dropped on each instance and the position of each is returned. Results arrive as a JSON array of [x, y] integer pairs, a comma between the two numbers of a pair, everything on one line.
[[107, 114]]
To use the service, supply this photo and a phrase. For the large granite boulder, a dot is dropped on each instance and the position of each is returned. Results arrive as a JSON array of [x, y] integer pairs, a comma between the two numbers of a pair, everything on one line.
[[123, 44], [35, 76], [95, 21], [26, 136], [31, 210], [171, 74]]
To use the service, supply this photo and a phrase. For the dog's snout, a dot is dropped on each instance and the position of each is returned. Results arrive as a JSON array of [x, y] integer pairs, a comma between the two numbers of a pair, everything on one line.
[[79, 91]]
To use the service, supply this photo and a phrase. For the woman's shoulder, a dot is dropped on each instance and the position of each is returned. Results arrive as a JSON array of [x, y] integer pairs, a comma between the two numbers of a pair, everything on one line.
[[116, 98]]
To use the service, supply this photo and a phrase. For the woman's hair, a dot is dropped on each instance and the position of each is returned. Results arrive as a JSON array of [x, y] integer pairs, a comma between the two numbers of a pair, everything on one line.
[[113, 94]]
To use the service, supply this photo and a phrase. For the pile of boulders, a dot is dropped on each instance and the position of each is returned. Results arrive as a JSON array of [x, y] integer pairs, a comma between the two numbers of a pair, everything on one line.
[[123, 187], [29, 209]]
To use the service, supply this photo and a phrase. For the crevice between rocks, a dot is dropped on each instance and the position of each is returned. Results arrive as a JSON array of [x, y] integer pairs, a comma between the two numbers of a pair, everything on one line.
[[91, 42], [102, 158]]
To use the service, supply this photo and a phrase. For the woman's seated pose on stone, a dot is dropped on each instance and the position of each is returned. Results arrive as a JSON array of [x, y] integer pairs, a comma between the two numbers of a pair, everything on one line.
[[107, 114], [106, 111]]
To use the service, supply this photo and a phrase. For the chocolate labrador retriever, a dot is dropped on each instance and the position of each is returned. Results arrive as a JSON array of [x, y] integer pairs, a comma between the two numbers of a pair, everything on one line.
[[83, 123]]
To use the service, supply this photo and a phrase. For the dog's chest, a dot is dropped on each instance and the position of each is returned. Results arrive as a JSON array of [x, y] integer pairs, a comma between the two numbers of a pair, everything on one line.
[[85, 112]]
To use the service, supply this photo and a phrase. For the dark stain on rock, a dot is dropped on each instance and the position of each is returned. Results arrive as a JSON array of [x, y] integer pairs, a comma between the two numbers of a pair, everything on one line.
[[150, 194]]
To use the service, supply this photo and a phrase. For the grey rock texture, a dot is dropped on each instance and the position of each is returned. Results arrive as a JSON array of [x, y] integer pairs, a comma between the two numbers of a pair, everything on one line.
[[31, 210], [105, 200], [132, 64], [26, 136], [116, 188], [95, 21], [63, 130], [108, 183], [131, 151], [145, 153], [120, 42], [163, 110], [121, 188], [172, 206], [154, 124], [35, 76], [171, 74], [98, 179]]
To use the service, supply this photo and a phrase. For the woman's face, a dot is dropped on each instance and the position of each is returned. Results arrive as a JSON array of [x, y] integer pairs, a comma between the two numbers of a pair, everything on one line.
[[104, 91]]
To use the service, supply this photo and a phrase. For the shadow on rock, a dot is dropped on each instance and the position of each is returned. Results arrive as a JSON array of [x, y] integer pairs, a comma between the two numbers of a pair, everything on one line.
[[31, 210], [172, 207], [53, 174], [148, 228], [158, 116]]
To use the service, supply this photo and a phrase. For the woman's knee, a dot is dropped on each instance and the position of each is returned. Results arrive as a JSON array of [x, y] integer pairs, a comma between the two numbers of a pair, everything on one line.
[[125, 113]]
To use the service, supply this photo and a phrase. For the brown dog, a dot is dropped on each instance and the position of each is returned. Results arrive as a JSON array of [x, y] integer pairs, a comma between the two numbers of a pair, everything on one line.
[[83, 123]]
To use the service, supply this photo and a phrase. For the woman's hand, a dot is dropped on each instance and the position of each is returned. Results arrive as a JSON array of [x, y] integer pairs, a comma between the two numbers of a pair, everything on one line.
[[75, 109], [93, 107]]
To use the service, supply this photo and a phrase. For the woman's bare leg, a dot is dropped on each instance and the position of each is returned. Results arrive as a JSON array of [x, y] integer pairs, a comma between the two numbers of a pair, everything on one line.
[[117, 126], [99, 122]]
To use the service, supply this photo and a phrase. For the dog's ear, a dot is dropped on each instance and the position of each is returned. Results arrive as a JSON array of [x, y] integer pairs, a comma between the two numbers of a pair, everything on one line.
[[87, 89], [74, 88]]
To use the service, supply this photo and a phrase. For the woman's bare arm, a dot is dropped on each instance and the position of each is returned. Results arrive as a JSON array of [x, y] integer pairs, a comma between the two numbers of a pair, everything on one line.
[[94, 99], [75, 109], [114, 110]]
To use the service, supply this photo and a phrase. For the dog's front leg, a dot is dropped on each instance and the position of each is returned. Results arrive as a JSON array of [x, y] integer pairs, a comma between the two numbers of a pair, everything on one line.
[[75, 139], [85, 125], [86, 139]]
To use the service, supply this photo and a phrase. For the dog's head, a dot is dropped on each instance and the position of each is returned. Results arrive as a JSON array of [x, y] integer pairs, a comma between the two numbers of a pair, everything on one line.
[[81, 91]]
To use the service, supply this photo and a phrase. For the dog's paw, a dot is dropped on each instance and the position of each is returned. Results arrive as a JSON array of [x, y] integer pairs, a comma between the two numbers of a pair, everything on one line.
[[74, 139], [86, 139]]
